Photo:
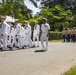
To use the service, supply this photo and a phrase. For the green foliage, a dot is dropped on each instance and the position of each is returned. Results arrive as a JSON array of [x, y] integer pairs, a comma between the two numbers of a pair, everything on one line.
[[55, 35], [16, 8], [32, 22], [6, 9], [36, 18], [57, 16], [72, 71]]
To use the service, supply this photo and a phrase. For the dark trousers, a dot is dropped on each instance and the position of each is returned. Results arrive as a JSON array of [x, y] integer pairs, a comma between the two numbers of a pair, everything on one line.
[[64, 38], [73, 38], [68, 38]]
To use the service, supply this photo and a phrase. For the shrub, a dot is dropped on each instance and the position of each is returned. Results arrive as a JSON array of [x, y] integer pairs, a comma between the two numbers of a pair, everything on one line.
[[55, 35]]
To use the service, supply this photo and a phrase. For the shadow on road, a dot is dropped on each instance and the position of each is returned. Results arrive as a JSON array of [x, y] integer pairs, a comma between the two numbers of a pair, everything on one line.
[[36, 51]]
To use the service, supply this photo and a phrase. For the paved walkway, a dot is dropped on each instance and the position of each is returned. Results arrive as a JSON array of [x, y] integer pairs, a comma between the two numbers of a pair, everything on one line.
[[58, 59]]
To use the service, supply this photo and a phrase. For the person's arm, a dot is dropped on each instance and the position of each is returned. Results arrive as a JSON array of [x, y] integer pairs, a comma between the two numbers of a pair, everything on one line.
[[48, 30]]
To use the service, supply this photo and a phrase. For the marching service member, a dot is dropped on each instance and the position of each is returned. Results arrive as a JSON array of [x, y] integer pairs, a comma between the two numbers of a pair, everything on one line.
[[18, 34], [4, 32], [28, 40], [12, 36], [23, 36], [44, 33], [36, 34], [73, 34], [64, 34]]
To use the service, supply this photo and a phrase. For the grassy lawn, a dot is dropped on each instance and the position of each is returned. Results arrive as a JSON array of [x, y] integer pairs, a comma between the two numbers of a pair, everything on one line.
[[72, 71], [56, 40]]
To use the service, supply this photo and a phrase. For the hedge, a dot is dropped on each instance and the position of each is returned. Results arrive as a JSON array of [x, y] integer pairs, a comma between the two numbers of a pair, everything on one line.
[[55, 35]]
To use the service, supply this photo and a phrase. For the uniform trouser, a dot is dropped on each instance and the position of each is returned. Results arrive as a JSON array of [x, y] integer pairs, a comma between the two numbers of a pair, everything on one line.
[[8, 41], [73, 38], [1, 43], [4, 41], [28, 40], [22, 40], [19, 41], [64, 38], [11, 40], [44, 38], [15, 41], [68, 38], [36, 37]]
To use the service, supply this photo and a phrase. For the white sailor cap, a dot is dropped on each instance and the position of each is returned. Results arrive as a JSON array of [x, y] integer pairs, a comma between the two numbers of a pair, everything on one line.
[[16, 20], [3, 17], [26, 21], [11, 25], [45, 19]]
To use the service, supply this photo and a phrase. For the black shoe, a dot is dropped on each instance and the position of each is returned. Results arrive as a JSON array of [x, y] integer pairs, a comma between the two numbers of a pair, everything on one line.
[[0, 48], [17, 47], [10, 47], [3, 50], [37, 46], [23, 47]]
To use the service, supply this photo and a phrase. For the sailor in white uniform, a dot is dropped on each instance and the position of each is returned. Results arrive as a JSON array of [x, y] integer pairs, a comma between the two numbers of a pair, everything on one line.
[[23, 36], [36, 34], [44, 33], [1, 43], [18, 34], [28, 40], [12, 36], [4, 32]]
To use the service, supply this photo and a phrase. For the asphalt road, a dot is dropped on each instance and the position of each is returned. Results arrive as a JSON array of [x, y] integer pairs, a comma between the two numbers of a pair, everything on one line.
[[59, 58]]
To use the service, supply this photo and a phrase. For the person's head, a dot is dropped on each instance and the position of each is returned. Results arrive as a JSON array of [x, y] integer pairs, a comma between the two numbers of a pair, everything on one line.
[[36, 22], [44, 20], [26, 22], [2, 18], [16, 21]]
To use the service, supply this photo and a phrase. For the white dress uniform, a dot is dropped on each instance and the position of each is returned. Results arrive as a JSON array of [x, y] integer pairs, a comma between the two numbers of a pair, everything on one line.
[[4, 34], [1, 43], [36, 34], [28, 40], [18, 33], [44, 36], [23, 36], [8, 34], [12, 37]]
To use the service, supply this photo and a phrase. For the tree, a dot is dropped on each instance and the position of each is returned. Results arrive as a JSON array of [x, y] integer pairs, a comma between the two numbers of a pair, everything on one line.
[[57, 16]]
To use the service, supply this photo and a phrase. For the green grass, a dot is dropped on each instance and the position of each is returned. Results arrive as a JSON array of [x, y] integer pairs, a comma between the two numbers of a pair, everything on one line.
[[56, 40], [72, 71]]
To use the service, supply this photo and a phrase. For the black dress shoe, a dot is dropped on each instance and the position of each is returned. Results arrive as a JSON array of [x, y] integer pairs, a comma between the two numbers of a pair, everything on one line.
[[17, 47], [3, 50], [23, 47], [0, 48], [37, 46]]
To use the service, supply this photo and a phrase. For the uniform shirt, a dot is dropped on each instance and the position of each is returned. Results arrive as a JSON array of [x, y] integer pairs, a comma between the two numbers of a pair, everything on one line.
[[22, 31], [36, 29], [3, 28], [45, 28], [0, 28], [27, 29], [8, 29], [12, 32], [64, 32], [18, 29]]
